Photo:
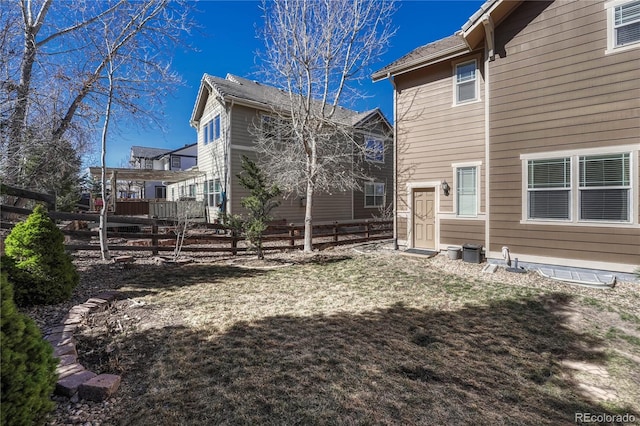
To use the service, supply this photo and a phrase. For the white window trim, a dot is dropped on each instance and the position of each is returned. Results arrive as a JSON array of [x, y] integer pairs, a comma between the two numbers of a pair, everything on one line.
[[455, 167], [209, 120], [384, 196], [454, 80], [574, 155], [610, 9]]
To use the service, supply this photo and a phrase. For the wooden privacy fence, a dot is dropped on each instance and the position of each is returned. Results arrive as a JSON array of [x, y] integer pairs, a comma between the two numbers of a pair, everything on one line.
[[156, 235]]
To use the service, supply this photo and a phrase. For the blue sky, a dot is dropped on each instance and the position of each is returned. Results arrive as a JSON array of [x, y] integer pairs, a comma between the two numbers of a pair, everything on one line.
[[227, 41]]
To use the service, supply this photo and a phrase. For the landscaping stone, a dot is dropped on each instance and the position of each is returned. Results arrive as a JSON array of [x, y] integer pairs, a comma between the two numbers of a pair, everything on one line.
[[67, 359], [68, 386], [67, 370], [99, 387], [66, 349]]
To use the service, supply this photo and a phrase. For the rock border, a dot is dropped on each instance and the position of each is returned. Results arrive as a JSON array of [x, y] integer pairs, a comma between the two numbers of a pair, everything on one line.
[[72, 376]]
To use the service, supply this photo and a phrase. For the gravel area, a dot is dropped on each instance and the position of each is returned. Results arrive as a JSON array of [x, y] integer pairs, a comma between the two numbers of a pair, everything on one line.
[[98, 276]]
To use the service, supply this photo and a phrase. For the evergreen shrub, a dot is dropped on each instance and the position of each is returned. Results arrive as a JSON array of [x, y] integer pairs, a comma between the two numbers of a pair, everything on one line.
[[27, 366], [38, 267]]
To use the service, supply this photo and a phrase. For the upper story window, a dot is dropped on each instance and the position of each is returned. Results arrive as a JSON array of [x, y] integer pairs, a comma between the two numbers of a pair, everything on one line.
[[374, 150], [175, 162], [623, 23], [466, 82], [148, 163], [212, 130]]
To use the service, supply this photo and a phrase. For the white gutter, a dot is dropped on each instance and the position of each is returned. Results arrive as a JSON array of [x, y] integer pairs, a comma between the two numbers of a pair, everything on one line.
[[395, 163], [489, 57]]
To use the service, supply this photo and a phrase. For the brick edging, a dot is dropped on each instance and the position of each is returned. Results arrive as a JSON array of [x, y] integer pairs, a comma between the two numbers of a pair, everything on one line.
[[72, 376]]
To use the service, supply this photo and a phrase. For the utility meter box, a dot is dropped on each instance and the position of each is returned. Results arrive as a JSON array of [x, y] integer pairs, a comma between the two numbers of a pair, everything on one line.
[[472, 253]]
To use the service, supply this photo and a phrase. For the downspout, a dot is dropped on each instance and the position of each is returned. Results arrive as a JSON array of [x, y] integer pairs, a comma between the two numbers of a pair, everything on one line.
[[228, 174], [489, 56], [395, 163]]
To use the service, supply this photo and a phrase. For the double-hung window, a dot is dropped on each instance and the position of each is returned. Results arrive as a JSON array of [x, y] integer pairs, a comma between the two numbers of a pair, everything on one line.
[[623, 24], [175, 162], [549, 188], [374, 194], [605, 188], [466, 82], [467, 191], [212, 130], [213, 193], [374, 150]]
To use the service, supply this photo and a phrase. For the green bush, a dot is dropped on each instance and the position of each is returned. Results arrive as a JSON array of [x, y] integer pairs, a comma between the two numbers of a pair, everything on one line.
[[38, 267], [27, 366]]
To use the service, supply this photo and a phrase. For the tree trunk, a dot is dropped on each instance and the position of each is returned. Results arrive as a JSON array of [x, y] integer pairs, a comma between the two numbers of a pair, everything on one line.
[[308, 220]]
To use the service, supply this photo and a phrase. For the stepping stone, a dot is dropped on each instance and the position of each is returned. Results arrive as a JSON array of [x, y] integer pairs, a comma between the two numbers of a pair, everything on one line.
[[99, 387], [69, 385]]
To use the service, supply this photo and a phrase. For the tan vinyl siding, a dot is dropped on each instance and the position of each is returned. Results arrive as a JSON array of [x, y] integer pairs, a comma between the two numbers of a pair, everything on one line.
[[433, 134], [459, 232], [553, 88], [327, 207]]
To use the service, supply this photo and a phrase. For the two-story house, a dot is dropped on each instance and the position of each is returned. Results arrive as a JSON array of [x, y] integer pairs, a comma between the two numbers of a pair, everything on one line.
[[148, 158], [522, 130], [225, 114]]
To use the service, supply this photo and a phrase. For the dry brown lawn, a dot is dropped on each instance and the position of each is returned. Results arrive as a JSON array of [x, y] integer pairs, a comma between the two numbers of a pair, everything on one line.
[[349, 338]]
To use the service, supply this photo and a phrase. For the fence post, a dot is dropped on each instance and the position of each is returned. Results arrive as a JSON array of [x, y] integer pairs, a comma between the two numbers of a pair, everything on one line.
[[154, 237], [368, 229], [234, 242], [335, 231], [292, 235]]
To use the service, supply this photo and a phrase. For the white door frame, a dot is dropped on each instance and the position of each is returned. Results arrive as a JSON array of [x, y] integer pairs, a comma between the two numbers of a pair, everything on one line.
[[411, 186]]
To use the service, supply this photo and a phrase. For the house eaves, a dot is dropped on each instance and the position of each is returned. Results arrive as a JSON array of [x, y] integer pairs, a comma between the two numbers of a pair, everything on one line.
[[440, 50], [469, 38], [474, 30]]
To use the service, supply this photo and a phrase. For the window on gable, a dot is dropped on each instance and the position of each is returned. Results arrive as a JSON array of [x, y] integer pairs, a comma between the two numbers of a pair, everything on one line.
[[148, 163], [626, 23], [467, 191], [549, 188], [374, 150], [175, 162], [466, 82], [374, 194], [605, 187]]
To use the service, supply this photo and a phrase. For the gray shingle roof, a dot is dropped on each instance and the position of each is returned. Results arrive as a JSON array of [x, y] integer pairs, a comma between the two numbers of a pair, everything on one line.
[[423, 54], [270, 97]]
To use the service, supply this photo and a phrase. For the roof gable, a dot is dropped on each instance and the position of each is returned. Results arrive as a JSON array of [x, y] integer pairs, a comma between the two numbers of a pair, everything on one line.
[[259, 96]]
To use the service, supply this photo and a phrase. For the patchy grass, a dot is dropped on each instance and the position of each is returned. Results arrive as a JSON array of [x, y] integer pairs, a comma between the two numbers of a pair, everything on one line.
[[348, 339]]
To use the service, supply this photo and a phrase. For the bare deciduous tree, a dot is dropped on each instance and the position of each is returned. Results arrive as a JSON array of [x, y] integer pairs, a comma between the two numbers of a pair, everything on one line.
[[317, 51], [54, 60]]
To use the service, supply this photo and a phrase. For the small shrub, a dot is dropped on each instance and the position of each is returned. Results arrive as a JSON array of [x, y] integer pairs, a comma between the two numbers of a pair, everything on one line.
[[27, 365], [38, 267], [259, 203]]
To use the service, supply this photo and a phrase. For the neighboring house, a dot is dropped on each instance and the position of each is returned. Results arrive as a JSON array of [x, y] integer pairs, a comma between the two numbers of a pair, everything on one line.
[[531, 115], [224, 116], [146, 158]]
